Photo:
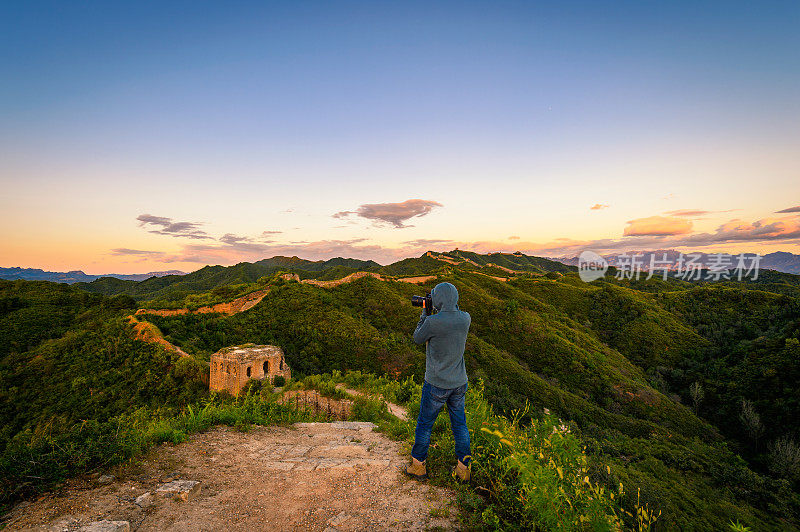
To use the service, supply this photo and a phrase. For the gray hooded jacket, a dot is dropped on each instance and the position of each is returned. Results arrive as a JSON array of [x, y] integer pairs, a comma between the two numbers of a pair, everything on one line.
[[446, 334]]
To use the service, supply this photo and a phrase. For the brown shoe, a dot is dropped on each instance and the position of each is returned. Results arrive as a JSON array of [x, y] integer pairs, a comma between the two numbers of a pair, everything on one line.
[[416, 470], [461, 472]]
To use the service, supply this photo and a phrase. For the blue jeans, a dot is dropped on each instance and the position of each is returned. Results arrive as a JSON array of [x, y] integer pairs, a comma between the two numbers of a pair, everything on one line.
[[433, 399]]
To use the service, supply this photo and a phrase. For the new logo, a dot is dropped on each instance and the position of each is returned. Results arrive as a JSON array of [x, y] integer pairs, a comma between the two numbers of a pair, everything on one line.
[[591, 266]]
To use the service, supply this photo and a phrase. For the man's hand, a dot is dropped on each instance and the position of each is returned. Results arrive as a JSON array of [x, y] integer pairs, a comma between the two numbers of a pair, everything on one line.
[[420, 333]]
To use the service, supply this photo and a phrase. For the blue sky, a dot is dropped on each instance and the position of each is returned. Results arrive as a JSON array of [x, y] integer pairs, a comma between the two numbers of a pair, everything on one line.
[[512, 119]]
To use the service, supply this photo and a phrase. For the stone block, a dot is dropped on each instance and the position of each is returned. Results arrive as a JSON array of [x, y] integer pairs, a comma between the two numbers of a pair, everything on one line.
[[144, 500], [107, 526], [183, 490]]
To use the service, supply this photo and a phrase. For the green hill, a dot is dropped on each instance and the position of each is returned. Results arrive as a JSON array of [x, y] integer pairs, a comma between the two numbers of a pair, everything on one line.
[[171, 290], [618, 359], [174, 288]]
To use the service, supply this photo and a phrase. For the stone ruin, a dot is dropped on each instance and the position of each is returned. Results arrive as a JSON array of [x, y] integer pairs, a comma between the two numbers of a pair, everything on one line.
[[232, 367]]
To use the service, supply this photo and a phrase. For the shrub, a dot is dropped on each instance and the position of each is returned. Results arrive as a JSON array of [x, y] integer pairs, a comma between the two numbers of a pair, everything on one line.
[[253, 386], [784, 458], [369, 409], [279, 380], [535, 476]]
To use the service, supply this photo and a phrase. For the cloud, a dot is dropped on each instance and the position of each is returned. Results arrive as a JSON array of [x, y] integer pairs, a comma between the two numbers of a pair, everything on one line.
[[136, 252], [688, 212], [241, 251], [426, 242], [166, 226], [392, 213], [766, 229], [657, 226], [790, 209], [266, 236], [171, 228], [244, 244], [598, 206], [650, 233], [691, 213], [232, 239]]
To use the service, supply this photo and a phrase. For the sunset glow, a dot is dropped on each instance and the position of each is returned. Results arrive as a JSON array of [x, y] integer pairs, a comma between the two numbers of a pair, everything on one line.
[[143, 138]]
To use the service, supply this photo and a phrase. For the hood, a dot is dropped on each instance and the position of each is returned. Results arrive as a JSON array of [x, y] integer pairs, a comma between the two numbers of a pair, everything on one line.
[[445, 297]]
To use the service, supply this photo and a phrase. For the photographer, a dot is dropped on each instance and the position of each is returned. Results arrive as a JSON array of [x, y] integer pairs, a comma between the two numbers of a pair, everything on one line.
[[445, 332]]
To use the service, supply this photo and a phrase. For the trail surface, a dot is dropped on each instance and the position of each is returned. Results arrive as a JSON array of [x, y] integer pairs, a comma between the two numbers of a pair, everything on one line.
[[312, 476], [240, 304], [396, 410]]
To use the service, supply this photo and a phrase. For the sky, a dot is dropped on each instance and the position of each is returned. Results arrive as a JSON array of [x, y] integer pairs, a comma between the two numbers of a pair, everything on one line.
[[149, 136]]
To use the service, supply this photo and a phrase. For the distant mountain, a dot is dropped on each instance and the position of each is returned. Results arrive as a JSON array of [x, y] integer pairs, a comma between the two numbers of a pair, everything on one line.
[[177, 287], [780, 261], [75, 276]]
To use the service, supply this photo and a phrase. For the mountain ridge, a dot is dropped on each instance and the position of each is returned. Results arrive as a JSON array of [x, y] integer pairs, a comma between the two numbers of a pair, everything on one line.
[[780, 261], [76, 276], [616, 358]]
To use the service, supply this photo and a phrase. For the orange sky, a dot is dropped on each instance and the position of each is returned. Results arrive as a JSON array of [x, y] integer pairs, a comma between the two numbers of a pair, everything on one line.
[[243, 132]]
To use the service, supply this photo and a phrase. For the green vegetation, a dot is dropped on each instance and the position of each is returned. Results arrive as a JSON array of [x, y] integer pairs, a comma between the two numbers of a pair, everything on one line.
[[687, 392], [36, 460], [223, 283], [535, 476]]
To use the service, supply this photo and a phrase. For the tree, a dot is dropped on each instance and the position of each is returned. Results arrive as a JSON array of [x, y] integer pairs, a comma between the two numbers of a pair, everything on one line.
[[784, 458], [697, 393], [751, 421]]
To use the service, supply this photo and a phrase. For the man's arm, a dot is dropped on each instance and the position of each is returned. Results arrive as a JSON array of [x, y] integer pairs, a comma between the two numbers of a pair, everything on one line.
[[423, 331]]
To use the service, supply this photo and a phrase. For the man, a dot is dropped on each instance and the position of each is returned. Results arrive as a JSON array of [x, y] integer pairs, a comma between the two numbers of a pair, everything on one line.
[[445, 379]]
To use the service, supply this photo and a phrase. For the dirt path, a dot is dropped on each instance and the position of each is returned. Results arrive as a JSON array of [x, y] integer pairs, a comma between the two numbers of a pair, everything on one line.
[[396, 410], [147, 332], [346, 279], [312, 476], [507, 270], [240, 304], [358, 275]]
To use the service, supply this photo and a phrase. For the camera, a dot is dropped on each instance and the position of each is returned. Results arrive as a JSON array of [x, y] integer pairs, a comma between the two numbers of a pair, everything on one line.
[[423, 301]]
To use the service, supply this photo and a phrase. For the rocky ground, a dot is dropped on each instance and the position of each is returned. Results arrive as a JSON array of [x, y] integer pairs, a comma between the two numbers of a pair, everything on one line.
[[312, 476]]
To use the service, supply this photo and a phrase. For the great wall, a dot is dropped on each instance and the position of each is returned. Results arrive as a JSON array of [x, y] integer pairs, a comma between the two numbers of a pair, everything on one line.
[[148, 332], [239, 304], [357, 275]]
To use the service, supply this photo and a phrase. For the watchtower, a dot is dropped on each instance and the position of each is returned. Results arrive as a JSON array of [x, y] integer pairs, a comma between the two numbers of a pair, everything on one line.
[[232, 367]]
